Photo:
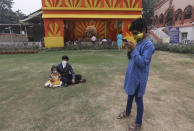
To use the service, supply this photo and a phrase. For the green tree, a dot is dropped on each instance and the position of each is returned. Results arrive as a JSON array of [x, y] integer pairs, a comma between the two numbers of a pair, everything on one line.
[[19, 14], [7, 15], [148, 6], [6, 4]]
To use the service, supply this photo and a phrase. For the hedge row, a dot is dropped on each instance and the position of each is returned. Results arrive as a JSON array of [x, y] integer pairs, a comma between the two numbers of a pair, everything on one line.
[[18, 47], [92, 47], [85, 47], [179, 48]]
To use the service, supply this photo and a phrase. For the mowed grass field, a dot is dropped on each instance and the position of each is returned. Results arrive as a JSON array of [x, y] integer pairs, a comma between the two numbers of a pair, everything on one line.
[[25, 105]]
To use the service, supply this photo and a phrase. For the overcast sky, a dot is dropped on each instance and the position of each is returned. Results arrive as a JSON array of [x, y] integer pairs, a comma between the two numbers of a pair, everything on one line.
[[26, 6]]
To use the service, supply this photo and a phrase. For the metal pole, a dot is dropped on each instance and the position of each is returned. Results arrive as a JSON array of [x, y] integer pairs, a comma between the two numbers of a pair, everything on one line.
[[10, 33], [20, 29], [26, 33]]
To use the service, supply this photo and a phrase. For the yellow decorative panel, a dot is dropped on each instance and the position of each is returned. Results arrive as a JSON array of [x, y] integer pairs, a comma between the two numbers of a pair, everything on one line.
[[93, 3], [51, 42], [90, 16], [54, 30], [53, 3]]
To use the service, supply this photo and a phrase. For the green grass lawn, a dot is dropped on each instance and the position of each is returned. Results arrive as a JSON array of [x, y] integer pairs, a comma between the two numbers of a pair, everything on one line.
[[92, 106]]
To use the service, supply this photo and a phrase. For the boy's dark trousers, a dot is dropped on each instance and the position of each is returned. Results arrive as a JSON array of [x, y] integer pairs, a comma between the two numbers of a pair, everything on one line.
[[68, 79], [139, 103]]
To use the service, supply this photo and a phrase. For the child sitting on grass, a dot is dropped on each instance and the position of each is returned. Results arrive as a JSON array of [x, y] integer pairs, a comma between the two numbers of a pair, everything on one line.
[[54, 78]]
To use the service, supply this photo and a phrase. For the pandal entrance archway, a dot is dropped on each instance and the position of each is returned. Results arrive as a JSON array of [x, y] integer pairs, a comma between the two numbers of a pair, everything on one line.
[[71, 19]]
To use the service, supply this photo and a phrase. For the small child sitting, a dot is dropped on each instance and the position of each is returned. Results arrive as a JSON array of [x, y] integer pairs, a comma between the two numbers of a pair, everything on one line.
[[54, 78]]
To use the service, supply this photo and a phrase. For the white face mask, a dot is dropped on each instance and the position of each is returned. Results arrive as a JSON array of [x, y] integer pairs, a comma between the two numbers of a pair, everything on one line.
[[54, 72], [64, 63]]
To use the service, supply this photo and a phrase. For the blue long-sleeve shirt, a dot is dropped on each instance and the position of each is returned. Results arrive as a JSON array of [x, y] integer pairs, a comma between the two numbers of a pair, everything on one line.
[[138, 68]]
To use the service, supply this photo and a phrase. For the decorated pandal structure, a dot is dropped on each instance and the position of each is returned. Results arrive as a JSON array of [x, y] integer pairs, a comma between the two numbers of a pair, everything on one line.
[[66, 20]]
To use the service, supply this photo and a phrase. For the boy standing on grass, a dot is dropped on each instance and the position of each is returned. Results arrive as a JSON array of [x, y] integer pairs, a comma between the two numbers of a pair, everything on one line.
[[137, 71]]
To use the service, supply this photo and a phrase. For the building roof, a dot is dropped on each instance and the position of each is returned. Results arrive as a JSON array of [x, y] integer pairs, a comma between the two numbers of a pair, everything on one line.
[[35, 17]]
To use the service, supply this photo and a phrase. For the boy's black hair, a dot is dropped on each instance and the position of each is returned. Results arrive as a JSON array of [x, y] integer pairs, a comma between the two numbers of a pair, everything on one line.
[[139, 25], [65, 57], [53, 66]]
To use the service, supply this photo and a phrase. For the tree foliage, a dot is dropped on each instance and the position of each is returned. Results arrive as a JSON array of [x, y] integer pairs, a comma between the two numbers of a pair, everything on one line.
[[7, 15], [6, 4], [148, 6]]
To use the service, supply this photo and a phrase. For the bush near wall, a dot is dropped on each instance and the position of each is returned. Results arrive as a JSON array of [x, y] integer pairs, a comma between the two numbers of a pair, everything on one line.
[[83, 47], [179, 48], [92, 47], [18, 47]]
